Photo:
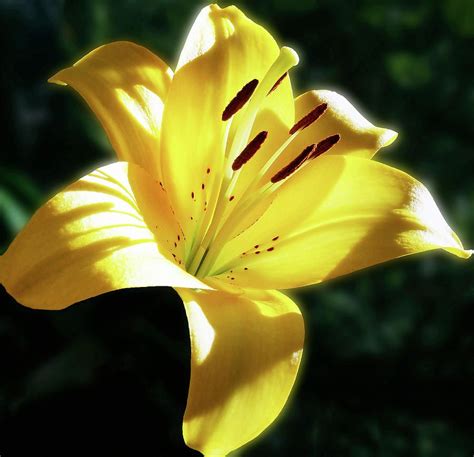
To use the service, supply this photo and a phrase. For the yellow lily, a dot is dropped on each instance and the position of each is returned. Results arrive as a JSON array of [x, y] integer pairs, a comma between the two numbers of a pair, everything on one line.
[[225, 188]]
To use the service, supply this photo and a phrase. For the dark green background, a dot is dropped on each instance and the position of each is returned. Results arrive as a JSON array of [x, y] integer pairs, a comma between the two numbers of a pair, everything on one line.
[[388, 368]]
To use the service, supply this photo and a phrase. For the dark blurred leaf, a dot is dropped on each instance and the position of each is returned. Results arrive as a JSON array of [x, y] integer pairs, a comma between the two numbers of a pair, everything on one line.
[[19, 197], [460, 15], [14, 215], [408, 70]]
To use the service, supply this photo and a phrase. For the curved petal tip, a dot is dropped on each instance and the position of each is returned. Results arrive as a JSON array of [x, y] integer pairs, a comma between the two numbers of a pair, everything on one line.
[[460, 252], [386, 137], [55, 79]]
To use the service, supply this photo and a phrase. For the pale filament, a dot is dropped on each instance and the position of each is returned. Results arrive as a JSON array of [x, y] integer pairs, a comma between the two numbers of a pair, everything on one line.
[[220, 223]]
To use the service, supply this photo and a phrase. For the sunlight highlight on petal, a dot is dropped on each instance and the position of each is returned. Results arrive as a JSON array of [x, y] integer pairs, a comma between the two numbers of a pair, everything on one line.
[[125, 85], [360, 213], [241, 386], [148, 111], [97, 235], [223, 51], [359, 137], [202, 333]]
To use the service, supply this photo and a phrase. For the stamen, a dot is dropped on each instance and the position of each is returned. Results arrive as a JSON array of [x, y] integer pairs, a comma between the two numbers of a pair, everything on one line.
[[293, 165], [311, 117], [240, 99], [249, 150], [278, 82], [325, 145], [286, 60]]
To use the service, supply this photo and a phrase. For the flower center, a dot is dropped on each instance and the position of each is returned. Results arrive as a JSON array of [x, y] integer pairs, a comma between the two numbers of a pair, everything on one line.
[[229, 211]]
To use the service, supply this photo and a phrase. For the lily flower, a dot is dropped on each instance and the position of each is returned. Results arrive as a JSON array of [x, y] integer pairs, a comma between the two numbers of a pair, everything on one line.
[[227, 188]]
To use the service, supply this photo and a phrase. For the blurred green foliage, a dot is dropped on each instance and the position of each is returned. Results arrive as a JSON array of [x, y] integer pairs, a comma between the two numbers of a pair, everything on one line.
[[388, 365]]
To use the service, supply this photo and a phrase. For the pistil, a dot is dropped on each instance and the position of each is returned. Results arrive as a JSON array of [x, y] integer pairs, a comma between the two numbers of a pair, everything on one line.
[[286, 60]]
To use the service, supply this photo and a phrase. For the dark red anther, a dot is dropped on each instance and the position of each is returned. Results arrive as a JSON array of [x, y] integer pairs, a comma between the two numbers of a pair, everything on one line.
[[311, 117], [279, 80], [325, 145], [249, 150], [240, 99], [293, 165]]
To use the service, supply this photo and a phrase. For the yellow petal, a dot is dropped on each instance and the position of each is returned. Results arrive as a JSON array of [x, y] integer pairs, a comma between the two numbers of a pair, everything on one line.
[[125, 85], [110, 230], [245, 353], [336, 215], [224, 51], [359, 137]]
